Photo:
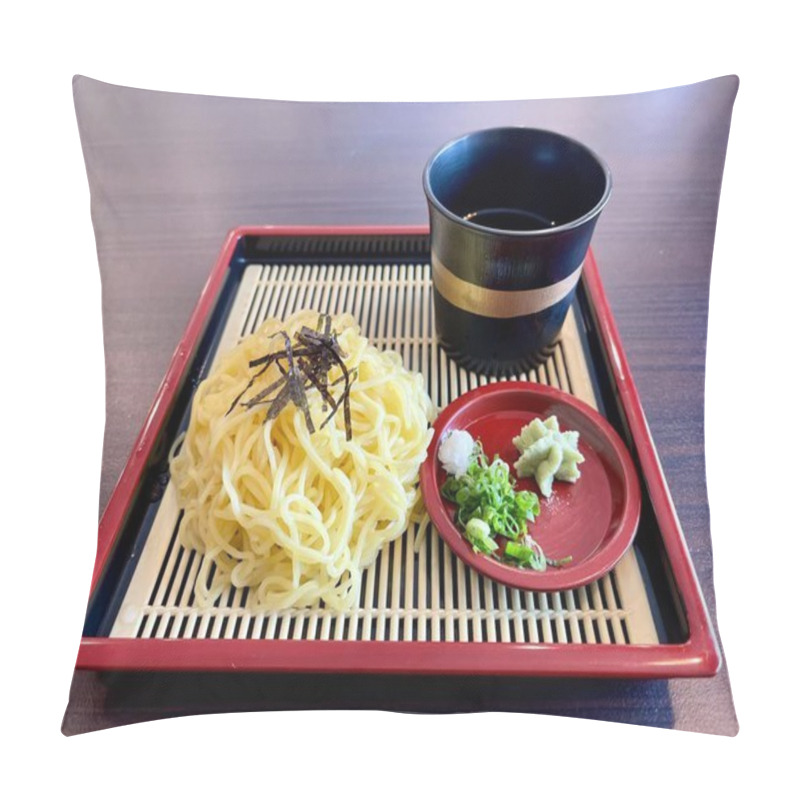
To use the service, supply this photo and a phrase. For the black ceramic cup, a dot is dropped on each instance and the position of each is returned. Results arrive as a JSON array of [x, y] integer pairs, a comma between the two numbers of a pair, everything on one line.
[[512, 212]]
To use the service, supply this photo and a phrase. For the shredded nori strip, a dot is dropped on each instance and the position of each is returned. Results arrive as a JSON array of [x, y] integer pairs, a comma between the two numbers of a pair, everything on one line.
[[304, 365]]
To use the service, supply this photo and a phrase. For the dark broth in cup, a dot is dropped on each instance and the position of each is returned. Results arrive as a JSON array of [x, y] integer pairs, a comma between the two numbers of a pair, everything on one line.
[[509, 219]]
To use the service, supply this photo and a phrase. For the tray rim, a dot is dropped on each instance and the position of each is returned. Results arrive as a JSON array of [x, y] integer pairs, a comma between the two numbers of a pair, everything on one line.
[[698, 656]]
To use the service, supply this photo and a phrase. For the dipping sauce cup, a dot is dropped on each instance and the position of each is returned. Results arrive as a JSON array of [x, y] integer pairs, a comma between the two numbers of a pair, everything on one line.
[[512, 213]]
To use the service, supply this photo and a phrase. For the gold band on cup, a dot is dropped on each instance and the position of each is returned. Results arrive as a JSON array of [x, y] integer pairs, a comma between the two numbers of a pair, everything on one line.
[[496, 303]]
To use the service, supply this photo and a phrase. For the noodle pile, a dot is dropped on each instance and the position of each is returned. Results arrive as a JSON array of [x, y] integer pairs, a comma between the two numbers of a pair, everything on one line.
[[293, 515]]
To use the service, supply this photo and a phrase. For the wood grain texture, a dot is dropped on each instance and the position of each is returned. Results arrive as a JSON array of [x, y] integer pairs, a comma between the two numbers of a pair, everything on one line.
[[170, 174]]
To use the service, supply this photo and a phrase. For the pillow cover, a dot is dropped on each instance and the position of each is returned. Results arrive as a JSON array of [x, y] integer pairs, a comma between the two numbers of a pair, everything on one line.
[[170, 174]]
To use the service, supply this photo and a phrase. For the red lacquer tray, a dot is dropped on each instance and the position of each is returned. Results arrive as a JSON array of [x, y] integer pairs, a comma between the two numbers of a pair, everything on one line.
[[422, 610]]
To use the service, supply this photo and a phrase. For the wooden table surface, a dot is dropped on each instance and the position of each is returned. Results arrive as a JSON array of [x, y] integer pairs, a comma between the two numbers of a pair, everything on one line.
[[171, 174]]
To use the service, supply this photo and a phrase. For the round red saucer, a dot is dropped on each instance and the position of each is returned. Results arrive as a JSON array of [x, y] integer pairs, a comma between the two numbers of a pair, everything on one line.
[[593, 520]]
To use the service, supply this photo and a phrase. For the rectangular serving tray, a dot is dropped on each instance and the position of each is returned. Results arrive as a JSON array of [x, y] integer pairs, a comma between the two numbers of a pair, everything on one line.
[[422, 610]]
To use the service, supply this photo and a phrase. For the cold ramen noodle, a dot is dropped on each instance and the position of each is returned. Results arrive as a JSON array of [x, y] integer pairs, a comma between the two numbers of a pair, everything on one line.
[[300, 462]]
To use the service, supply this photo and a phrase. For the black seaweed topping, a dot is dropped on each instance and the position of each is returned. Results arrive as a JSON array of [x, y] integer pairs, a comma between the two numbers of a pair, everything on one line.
[[304, 364]]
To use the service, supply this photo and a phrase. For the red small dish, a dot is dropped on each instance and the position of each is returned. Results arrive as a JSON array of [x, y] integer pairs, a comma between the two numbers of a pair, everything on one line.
[[593, 520]]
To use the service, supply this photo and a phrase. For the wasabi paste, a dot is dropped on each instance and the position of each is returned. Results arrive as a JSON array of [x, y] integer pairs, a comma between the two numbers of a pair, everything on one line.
[[547, 454]]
